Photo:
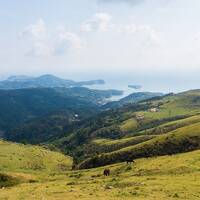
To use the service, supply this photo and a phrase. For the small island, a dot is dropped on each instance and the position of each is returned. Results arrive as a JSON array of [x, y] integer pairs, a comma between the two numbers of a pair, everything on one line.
[[136, 87]]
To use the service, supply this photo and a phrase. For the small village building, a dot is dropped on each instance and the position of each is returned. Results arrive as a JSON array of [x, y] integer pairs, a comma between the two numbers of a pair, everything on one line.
[[153, 110]]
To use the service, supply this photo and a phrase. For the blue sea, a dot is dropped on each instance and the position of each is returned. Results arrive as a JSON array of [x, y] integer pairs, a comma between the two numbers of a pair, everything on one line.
[[147, 86]]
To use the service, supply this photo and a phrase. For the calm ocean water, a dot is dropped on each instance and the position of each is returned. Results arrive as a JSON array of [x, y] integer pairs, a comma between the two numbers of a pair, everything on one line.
[[122, 86], [147, 86]]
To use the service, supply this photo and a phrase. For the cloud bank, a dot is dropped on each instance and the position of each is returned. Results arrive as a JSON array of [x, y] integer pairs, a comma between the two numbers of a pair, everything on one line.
[[42, 42], [99, 22], [104, 22]]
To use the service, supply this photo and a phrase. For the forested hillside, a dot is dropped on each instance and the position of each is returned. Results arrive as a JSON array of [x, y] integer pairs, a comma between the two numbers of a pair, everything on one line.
[[19, 106]]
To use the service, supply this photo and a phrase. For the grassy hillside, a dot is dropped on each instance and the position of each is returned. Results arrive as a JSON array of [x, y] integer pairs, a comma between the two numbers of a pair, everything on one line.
[[129, 125], [186, 103], [103, 146], [170, 126], [155, 116], [153, 179], [152, 132], [180, 140], [26, 158], [98, 146]]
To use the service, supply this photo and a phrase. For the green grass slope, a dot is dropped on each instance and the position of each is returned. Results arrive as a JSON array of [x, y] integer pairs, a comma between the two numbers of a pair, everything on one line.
[[26, 158], [129, 125], [180, 140], [186, 103], [170, 126], [148, 179], [102, 145]]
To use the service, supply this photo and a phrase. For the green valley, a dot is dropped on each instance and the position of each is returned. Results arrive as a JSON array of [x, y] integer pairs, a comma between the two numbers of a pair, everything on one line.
[[160, 134]]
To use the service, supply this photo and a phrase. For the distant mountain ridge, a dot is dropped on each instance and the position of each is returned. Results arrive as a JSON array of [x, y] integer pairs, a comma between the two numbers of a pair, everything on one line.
[[19, 78], [47, 80]]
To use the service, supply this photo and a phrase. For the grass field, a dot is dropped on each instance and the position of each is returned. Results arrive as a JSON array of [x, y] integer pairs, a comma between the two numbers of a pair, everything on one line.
[[148, 179], [27, 158], [129, 125]]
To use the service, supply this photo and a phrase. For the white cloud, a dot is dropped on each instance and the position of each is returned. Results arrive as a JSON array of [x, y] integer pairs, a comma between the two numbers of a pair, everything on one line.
[[144, 32], [35, 31], [40, 49], [67, 40], [73, 39], [41, 42], [196, 37], [36, 38], [99, 22]]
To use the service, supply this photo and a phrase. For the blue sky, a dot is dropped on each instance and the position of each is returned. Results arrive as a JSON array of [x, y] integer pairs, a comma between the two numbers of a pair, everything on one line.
[[147, 41]]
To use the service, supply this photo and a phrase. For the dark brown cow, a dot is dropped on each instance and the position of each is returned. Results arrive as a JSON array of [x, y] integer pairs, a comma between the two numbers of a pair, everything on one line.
[[106, 172]]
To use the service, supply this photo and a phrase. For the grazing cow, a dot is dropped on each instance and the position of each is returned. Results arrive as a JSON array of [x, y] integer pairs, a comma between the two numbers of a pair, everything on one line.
[[106, 172], [129, 161]]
